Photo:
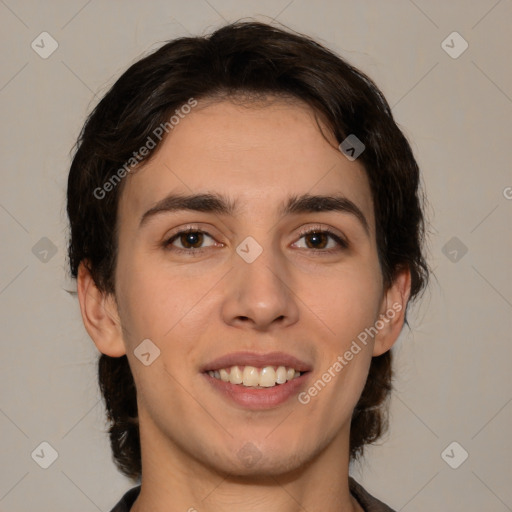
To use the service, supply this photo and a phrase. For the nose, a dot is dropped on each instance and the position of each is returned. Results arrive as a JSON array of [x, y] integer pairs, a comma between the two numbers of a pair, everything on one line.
[[260, 295]]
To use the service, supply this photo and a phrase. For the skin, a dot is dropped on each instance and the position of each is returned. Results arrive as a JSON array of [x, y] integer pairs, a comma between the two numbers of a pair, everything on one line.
[[294, 297]]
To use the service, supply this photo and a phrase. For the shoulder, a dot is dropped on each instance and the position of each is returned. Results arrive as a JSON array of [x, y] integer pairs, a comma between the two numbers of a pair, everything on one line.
[[366, 500], [126, 502]]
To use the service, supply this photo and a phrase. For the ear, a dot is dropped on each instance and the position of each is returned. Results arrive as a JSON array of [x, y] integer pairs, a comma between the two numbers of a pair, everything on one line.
[[100, 315], [392, 314]]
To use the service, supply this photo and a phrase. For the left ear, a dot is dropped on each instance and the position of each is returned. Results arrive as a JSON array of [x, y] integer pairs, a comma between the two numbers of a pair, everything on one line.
[[392, 314]]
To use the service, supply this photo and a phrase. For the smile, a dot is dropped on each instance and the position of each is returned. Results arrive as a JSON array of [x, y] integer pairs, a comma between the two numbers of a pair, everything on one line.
[[251, 376], [256, 397]]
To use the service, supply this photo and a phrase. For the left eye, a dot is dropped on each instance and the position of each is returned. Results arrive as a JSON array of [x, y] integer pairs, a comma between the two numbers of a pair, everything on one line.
[[318, 239]]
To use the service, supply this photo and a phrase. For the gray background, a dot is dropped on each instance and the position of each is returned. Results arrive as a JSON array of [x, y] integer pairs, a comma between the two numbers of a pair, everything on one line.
[[453, 369]]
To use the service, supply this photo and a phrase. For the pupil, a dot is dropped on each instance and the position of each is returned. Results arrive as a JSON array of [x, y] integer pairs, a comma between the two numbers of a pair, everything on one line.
[[317, 237], [192, 238]]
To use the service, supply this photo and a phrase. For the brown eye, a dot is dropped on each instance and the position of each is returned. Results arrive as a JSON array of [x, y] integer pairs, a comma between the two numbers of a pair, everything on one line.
[[192, 240], [318, 240], [189, 240]]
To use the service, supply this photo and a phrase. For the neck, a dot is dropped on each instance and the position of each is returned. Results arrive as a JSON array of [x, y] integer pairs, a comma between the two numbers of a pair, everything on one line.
[[174, 481]]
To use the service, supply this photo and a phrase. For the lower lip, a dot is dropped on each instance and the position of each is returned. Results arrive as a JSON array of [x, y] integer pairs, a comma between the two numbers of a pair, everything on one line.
[[264, 398]]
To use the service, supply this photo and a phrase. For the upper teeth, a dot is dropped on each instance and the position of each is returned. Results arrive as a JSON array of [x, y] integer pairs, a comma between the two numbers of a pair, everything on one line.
[[251, 376]]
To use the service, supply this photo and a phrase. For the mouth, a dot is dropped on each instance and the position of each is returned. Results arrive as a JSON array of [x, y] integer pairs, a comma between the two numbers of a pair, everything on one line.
[[257, 381], [254, 377]]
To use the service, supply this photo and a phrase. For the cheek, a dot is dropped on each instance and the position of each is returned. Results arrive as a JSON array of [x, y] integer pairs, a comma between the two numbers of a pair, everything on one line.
[[347, 299], [150, 302], [168, 307]]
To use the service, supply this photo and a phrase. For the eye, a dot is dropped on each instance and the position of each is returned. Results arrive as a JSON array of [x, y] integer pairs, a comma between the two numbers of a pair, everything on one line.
[[189, 240], [317, 238]]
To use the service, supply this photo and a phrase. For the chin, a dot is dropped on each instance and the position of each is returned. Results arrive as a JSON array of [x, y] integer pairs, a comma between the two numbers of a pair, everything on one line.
[[253, 462]]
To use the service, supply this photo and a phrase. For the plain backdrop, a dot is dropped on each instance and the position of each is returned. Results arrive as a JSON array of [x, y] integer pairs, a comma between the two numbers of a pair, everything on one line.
[[454, 103]]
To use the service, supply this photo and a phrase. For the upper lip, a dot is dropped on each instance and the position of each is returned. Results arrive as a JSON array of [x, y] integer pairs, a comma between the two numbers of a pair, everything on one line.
[[258, 360]]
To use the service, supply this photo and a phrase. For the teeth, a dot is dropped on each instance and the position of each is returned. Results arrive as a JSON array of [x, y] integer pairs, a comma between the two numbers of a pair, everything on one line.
[[267, 377], [251, 376], [235, 375], [281, 375]]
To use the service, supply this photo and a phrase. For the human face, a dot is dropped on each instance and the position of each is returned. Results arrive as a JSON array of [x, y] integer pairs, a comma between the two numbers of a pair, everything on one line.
[[198, 298]]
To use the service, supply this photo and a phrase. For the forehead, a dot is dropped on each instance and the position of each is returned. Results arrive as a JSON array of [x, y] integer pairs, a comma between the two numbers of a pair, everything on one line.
[[257, 154]]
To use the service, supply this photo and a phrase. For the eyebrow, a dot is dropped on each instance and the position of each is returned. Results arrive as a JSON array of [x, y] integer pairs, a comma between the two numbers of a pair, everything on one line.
[[222, 205]]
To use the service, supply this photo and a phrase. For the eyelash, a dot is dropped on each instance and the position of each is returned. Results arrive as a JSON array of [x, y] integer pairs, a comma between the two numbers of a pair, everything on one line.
[[343, 244]]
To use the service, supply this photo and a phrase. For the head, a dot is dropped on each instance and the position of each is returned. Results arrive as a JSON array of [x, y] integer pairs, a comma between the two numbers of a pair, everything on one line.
[[255, 114]]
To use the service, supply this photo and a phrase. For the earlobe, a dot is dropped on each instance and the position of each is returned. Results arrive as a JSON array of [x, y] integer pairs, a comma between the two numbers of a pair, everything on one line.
[[392, 315], [100, 315]]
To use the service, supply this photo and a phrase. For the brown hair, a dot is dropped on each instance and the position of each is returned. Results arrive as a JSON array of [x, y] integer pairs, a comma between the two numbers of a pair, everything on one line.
[[241, 58]]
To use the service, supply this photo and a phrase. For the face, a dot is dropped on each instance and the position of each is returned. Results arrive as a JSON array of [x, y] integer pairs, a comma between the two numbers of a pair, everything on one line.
[[248, 286]]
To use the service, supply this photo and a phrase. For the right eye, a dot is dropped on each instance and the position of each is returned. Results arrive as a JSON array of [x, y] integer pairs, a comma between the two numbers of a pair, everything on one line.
[[190, 240]]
